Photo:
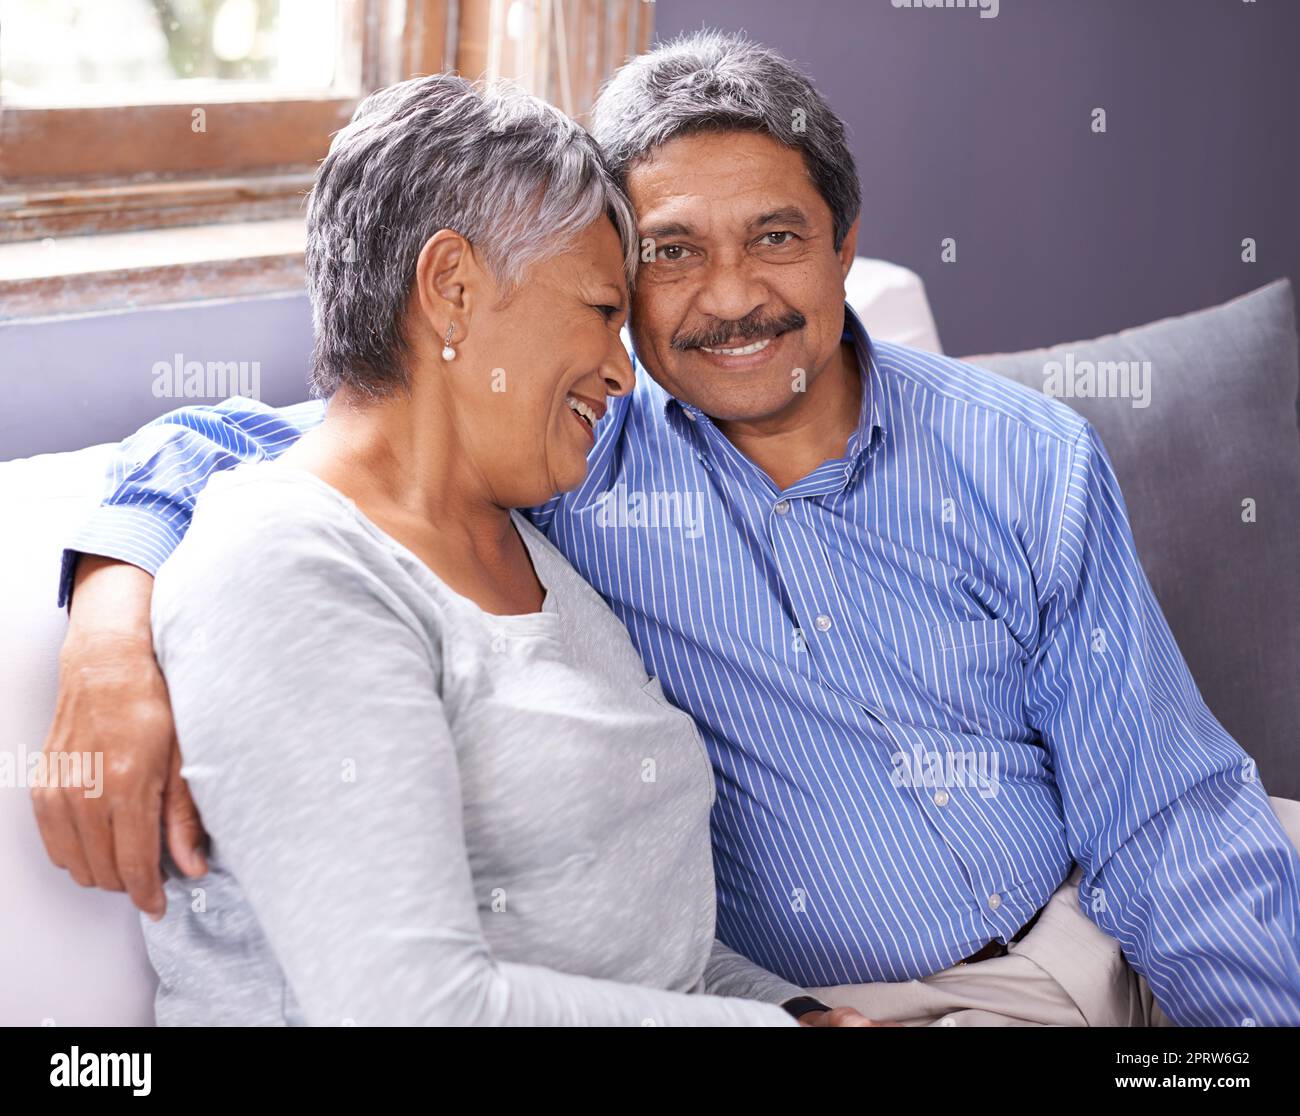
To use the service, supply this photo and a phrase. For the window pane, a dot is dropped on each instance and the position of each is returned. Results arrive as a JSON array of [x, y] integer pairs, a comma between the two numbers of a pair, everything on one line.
[[88, 52]]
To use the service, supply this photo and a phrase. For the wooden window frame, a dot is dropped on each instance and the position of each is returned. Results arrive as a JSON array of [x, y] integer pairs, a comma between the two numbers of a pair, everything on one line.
[[69, 171]]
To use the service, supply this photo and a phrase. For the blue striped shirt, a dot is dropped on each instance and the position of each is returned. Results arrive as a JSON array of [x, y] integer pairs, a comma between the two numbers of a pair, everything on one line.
[[931, 676]]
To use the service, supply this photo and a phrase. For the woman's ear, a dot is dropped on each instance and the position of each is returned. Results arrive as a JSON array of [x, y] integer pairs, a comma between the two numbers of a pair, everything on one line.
[[444, 283]]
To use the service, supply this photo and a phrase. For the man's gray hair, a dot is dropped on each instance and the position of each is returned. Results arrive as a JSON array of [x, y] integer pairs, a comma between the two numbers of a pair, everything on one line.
[[513, 175], [715, 82]]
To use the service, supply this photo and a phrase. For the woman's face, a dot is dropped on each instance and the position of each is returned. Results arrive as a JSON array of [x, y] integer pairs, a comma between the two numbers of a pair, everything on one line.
[[531, 367]]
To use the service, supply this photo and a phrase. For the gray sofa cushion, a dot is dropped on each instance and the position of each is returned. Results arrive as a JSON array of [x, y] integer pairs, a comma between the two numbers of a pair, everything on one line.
[[1212, 424]]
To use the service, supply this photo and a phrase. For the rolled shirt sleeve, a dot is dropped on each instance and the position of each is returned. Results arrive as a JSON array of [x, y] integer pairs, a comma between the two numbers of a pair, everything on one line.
[[155, 476]]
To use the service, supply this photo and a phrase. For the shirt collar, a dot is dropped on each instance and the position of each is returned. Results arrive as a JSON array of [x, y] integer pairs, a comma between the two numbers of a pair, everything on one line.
[[871, 420], [685, 418]]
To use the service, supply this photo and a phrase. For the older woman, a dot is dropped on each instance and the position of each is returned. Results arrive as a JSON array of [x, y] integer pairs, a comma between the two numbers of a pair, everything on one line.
[[440, 786]]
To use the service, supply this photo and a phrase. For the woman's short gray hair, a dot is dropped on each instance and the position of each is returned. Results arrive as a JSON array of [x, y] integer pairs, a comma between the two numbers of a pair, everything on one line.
[[712, 81], [510, 173]]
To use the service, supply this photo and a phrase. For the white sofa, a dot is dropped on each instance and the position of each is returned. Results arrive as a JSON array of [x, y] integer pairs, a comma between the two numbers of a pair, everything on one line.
[[73, 956]]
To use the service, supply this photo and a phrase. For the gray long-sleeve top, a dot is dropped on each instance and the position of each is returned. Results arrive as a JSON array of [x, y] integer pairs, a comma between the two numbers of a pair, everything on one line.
[[422, 813]]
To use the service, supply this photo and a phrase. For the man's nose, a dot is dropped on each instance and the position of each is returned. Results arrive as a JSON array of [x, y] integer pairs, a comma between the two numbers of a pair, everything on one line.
[[730, 291]]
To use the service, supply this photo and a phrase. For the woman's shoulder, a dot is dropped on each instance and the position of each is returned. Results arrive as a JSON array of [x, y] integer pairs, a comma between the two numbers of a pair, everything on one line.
[[266, 527], [278, 567], [266, 501]]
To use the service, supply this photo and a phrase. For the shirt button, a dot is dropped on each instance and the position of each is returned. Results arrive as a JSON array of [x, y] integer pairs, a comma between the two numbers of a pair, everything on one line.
[[690, 415], [941, 798], [823, 623], [995, 901], [781, 507]]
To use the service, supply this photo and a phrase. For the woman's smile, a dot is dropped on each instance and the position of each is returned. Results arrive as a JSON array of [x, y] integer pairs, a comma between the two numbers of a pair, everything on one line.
[[586, 414]]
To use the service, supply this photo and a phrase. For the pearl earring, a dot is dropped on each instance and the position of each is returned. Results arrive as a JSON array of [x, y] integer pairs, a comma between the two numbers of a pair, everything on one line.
[[448, 353]]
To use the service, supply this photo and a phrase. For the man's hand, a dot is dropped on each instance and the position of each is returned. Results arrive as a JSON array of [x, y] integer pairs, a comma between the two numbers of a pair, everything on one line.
[[113, 699], [839, 1017]]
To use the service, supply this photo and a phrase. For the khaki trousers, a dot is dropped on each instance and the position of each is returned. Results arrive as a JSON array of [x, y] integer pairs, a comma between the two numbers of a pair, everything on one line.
[[1064, 973]]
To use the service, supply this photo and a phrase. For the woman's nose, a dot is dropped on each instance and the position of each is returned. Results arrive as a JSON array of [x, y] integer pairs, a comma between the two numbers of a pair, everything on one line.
[[617, 370]]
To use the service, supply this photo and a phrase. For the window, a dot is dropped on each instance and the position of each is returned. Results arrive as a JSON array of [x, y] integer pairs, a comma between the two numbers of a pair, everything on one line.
[[120, 115], [160, 150]]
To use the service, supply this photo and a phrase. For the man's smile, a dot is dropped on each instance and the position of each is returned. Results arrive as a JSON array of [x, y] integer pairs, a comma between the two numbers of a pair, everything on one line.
[[756, 347], [740, 355]]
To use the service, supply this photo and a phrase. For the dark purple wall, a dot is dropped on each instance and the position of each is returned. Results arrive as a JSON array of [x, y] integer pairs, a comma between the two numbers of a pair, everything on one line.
[[979, 129]]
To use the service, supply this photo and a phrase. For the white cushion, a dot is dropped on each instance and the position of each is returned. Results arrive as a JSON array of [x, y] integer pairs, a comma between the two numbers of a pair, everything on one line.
[[68, 955], [892, 304]]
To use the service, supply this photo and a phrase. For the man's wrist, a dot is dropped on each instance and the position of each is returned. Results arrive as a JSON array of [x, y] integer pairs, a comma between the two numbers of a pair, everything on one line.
[[116, 596]]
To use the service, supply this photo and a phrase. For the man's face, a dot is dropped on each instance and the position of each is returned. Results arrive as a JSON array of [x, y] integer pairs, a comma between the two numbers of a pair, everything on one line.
[[743, 306]]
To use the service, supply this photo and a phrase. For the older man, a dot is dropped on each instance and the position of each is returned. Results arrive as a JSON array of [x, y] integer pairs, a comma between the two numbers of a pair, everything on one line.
[[946, 716]]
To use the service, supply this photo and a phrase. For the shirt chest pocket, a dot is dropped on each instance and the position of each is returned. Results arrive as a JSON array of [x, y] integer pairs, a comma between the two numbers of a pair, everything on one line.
[[976, 670]]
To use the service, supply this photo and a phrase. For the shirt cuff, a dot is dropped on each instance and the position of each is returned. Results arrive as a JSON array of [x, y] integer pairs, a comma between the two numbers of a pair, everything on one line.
[[133, 533], [802, 1005]]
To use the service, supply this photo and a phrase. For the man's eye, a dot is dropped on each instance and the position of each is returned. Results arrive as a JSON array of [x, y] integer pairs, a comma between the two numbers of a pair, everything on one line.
[[777, 239], [672, 253], [609, 313]]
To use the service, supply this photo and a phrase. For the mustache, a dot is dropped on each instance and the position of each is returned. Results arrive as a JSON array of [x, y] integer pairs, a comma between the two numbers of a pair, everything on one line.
[[752, 327]]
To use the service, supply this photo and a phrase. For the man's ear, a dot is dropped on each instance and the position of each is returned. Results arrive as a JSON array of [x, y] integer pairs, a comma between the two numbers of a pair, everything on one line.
[[849, 248], [445, 284]]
